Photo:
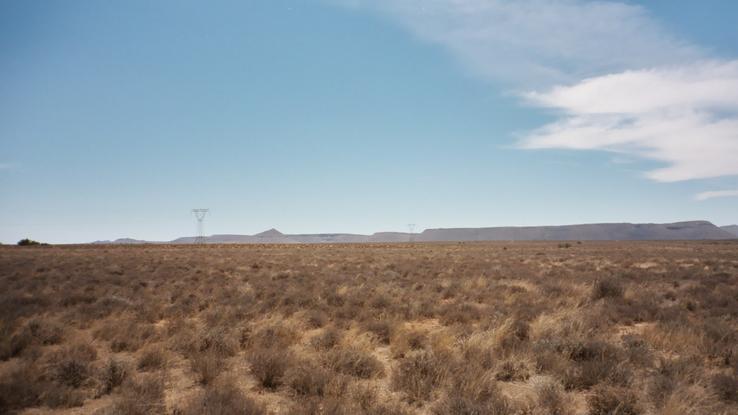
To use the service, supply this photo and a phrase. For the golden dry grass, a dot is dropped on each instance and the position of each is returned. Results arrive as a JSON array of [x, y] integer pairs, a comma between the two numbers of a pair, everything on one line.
[[475, 328]]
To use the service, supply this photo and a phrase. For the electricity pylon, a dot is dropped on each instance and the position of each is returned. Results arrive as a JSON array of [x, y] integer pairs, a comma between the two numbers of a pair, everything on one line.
[[411, 228], [200, 216]]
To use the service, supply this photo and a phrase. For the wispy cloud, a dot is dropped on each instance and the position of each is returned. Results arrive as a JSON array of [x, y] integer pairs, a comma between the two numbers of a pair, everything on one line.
[[716, 193], [620, 81], [6, 166], [539, 42]]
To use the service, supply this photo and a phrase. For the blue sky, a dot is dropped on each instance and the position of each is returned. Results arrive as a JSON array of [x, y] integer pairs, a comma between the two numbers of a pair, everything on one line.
[[117, 118]]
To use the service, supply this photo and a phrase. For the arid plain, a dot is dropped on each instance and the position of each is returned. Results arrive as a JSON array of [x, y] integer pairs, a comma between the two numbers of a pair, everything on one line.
[[438, 328]]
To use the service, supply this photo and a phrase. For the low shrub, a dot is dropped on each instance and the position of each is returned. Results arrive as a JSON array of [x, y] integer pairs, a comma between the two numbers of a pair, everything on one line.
[[153, 357], [316, 318], [273, 336], [207, 366], [606, 288], [726, 387], [594, 362], [19, 388], [419, 374], [326, 340], [37, 332], [111, 375], [218, 340], [406, 341], [356, 362], [511, 335], [71, 365], [608, 400], [223, 398], [143, 395], [551, 399], [473, 392], [381, 329], [512, 370], [268, 366], [306, 378]]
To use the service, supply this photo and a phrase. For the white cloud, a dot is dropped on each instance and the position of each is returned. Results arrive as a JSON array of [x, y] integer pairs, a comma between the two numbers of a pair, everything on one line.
[[685, 117], [626, 84], [6, 166], [712, 85], [539, 42], [716, 193]]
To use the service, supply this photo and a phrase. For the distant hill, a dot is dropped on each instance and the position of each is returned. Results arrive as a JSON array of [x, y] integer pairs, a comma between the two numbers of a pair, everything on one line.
[[733, 229], [694, 230], [122, 241]]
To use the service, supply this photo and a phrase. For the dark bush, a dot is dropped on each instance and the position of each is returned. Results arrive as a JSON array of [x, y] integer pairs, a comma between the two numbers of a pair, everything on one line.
[[268, 366], [726, 387], [606, 288], [111, 376], [19, 389], [70, 366], [28, 242]]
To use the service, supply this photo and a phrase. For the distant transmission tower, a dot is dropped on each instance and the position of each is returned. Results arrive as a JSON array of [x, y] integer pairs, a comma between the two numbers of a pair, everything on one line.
[[411, 228], [200, 216]]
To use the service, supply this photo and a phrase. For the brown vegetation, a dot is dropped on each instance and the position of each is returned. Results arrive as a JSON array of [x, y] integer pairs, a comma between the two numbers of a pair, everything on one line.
[[477, 328]]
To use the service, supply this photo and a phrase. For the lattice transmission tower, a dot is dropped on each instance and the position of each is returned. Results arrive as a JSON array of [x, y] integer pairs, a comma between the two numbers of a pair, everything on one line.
[[411, 228], [200, 216]]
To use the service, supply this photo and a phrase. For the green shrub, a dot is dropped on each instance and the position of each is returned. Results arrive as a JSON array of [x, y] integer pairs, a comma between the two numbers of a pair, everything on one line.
[[29, 242]]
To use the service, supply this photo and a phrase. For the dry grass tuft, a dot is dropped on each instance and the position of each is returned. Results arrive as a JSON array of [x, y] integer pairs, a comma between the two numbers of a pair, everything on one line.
[[223, 398], [354, 361], [143, 395], [607, 400], [419, 374], [207, 367], [153, 357], [307, 378]]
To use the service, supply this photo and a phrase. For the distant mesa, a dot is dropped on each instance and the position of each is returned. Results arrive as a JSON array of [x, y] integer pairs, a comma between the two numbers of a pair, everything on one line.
[[122, 241], [733, 229], [693, 230]]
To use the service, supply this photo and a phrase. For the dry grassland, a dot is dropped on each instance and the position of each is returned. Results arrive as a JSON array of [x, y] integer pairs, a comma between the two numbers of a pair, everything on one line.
[[487, 328]]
